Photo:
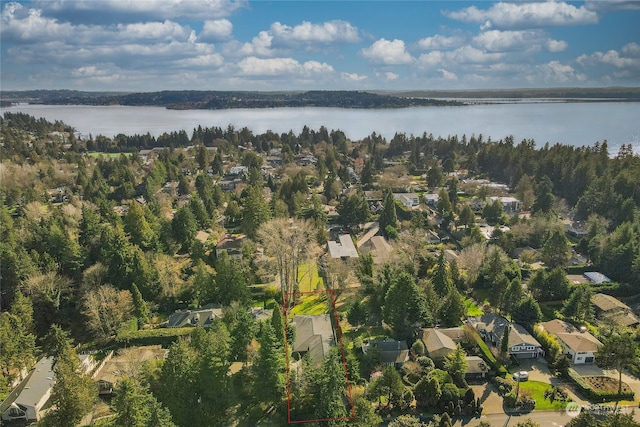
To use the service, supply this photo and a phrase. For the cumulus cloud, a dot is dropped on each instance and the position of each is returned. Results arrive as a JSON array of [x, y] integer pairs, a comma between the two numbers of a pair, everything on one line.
[[210, 60], [431, 59], [216, 30], [145, 31], [308, 33], [253, 66], [447, 75], [353, 77], [22, 24], [526, 40], [439, 42], [556, 72], [387, 52], [526, 15]]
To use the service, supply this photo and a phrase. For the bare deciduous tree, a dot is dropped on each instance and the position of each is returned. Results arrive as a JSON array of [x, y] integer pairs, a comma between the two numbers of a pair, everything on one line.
[[471, 259], [106, 309], [289, 242], [49, 287]]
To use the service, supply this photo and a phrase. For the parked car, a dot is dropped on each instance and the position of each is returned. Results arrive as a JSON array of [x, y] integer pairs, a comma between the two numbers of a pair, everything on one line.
[[521, 376]]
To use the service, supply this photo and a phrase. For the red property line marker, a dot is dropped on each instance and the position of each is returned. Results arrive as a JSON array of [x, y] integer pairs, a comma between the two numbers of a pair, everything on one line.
[[344, 359]]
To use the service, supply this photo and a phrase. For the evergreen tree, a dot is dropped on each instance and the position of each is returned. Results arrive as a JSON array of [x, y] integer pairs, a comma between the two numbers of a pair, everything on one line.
[[544, 196], [135, 406], [140, 308], [388, 216], [441, 280], [527, 312], [331, 390], [555, 252], [456, 363], [73, 393], [277, 323], [618, 351], [452, 310], [404, 305], [268, 367], [231, 283], [184, 227], [504, 342], [578, 306], [255, 211], [136, 225]]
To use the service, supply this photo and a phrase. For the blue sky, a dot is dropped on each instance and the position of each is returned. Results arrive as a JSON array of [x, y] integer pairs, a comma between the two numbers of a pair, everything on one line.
[[148, 45]]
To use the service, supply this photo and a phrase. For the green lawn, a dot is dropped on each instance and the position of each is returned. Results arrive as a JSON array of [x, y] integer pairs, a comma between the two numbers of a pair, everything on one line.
[[535, 390], [472, 309], [311, 304], [309, 278]]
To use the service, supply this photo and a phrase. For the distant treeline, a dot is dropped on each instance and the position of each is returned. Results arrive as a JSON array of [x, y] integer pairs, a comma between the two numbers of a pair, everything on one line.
[[613, 93], [215, 100]]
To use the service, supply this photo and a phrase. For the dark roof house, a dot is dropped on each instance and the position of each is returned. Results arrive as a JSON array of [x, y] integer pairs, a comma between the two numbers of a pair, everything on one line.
[[203, 317], [392, 352], [314, 335]]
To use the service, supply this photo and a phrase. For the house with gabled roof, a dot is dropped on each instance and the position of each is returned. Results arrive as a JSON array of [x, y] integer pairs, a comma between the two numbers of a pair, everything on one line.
[[34, 392], [392, 352], [577, 344], [612, 309], [314, 336], [203, 317], [437, 343], [343, 248], [521, 343]]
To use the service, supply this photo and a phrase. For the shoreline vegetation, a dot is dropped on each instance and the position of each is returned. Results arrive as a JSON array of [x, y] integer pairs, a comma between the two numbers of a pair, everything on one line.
[[218, 100]]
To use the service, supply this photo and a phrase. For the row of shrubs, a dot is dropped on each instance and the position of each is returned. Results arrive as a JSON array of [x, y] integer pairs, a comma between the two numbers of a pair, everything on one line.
[[596, 395], [161, 336]]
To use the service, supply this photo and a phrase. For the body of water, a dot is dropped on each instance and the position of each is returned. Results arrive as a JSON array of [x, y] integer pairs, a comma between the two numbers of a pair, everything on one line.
[[575, 124]]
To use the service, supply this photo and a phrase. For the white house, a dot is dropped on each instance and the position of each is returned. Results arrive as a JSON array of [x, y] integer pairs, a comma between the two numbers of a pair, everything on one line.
[[578, 344], [509, 204], [343, 248], [409, 200], [521, 343], [35, 393]]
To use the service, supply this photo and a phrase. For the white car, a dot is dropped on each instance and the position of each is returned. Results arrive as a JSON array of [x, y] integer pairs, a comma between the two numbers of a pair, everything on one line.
[[521, 376]]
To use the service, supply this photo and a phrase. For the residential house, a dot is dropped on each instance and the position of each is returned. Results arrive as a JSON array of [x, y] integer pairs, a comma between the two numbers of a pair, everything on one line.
[[238, 171], [34, 393], [314, 336], [392, 352], [595, 277], [203, 317], [377, 246], [231, 244], [578, 344], [343, 248], [260, 314], [476, 367], [431, 200], [229, 184], [510, 205], [612, 309], [521, 343], [409, 200], [477, 205], [437, 343]]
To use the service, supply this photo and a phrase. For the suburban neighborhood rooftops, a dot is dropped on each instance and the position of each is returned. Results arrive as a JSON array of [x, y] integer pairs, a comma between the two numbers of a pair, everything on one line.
[[203, 317]]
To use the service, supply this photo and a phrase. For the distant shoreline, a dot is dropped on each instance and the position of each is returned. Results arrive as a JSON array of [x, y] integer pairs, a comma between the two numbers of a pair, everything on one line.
[[220, 100]]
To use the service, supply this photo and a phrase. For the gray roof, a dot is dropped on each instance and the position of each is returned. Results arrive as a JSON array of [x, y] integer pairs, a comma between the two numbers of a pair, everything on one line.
[[314, 335], [435, 340], [203, 317], [391, 351], [38, 386], [343, 249], [596, 277], [495, 324]]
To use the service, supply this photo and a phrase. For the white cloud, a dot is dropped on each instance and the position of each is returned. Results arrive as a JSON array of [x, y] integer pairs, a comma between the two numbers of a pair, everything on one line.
[[526, 15], [253, 66], [353, 77], [260, 45], [439, 42], [22, 24], [631, 49], [526, 40], [325, 33], [216, 30], [447, 75], [556, 72], [210, 60], [431, 59], [627, 61], [469, 54], [166, 30], [387, 52]]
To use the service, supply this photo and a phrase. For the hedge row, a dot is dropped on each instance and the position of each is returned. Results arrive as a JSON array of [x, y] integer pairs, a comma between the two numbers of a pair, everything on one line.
[[596, 395], [161, 336], [488, 356]]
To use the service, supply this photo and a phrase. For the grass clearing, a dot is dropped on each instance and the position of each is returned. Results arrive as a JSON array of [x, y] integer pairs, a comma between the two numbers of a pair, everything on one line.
[[109, 155], [472, 308], [535, 390], [311, 304], [309, 278]]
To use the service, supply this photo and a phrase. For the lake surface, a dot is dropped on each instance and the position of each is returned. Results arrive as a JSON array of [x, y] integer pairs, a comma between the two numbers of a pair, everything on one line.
[[568, 123]]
